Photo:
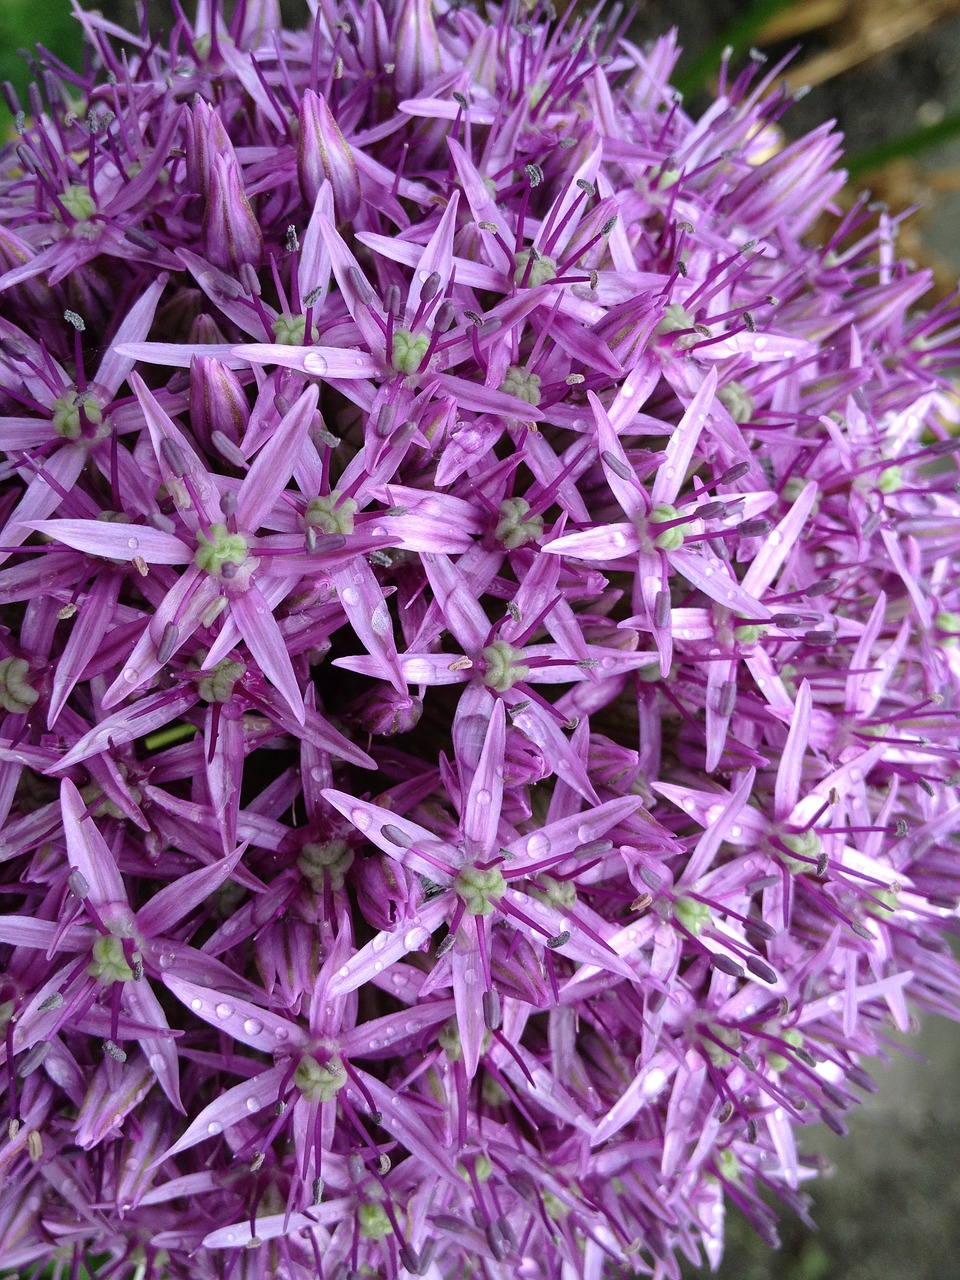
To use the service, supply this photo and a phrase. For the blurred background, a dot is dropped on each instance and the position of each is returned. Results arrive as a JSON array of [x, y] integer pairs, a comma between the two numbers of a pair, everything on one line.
[[888, 71]]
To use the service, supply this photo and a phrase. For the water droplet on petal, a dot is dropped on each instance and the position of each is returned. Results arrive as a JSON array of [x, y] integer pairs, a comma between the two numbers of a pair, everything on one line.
[[538, 844], [133, 543], [196, 1005], [252, 1105], [379, 942], [130, 675], [315, 363], [281, 1034], [483, 798], [360, 819], [415, 938], [224, 1010], [252, 1027], [214, 1127], [350, 596]]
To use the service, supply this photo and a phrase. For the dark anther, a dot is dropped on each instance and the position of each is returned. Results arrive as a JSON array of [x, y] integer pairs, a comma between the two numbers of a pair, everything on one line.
[[726, 965], [560, 940], [736, 472], [761, 969]]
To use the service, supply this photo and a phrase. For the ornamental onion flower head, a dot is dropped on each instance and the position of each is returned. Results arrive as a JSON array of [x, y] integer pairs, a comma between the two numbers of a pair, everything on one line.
[[481, 650]]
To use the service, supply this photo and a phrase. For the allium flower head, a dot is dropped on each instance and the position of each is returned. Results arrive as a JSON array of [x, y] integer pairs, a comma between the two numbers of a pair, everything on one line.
[[479, 682]]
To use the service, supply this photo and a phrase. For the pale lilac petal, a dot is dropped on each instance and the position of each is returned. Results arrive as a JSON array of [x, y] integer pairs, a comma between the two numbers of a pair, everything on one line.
[[274, 464], [256, 623], [115, 541], [239, 1103], [672, 474], [174, 902], [238, 1018], [88, 852], [481, 816]]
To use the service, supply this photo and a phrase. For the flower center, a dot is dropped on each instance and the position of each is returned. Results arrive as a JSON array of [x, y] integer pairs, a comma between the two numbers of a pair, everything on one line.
[[220, 549], [514, 527], [408, 351], [67, 419], [109, 964], [670, 539], [480, 888], [79, 202], [331, 512], [17, 694], [503, 666], [319, 1082], [289, 330], [332, 858], [542, 269], [216, 685], [522, 384]]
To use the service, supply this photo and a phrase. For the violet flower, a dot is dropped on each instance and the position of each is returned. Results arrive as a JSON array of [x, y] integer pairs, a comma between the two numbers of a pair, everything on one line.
[[478, 691]]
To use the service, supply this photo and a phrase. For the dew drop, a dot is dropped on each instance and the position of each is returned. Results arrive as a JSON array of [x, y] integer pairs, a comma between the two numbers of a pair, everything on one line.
[[130, 675], [224, 1010], [584, 833], [350, 596], [281, 1034], [415, 938], [379, 942], [687, 804], [360, 819], [118, 1118], [344, 972], [252, 1105], [214, 1127], [133, 543], [378, 967], [196, 1005], [314, 362], [736, 833], [759, 343], [618, 539], [483, 797], [373, 1043], [538, 844], [608, 663], [775, 537], [156, 1063], [252, 1027]]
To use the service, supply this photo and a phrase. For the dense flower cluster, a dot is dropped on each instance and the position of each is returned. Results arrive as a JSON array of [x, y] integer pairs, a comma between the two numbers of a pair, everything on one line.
[[480, 673]]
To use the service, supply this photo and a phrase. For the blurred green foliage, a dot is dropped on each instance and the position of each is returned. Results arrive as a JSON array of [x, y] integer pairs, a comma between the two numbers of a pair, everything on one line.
[[23, 25]]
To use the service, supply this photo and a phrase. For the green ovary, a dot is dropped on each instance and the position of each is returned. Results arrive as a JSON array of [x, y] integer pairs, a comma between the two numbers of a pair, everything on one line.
[[776, 1061], [480, 889], [319, 1083], [289, 330], [693, 915], [221, 548], [503, 667], [217, 684], [514, 526], [737, 401], [67, 422], [555, 893], [333, 859], [670, 539], [525, 386], [109, 964], [78, 202], [541, 271], [331, 513], [17, 694], [408, 351], [373, 1221], [806, 844]]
